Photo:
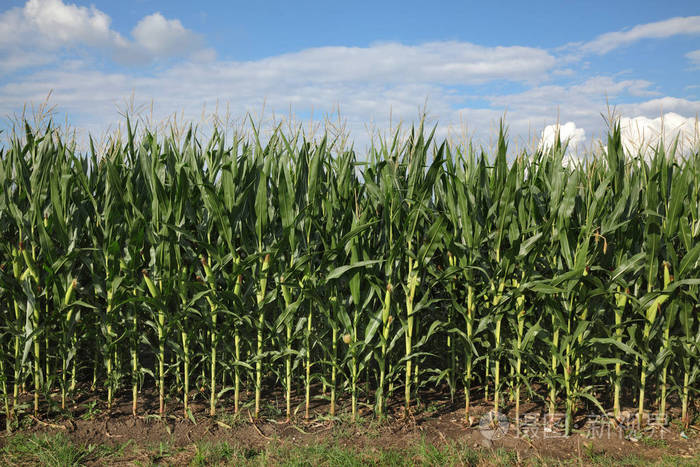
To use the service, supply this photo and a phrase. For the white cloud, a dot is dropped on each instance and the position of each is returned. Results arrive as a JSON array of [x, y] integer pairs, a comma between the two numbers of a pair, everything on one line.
[[661, 105], [364, 80], [447, 62], [595, 87], [43, 27], [688, 25], [584, 103], [567, 133], [642, 135], [366, 83], [301, 82], [160, 36], [694, 57], [580, 102], [52, 24], [49, 25], [13, 61]]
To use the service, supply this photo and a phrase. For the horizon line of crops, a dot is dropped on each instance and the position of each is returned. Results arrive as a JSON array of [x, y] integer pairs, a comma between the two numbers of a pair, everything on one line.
[[241, 265]]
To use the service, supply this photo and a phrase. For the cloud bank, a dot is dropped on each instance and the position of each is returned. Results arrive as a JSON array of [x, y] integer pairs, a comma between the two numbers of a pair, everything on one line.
[[641, 135], [92, 69], [34, 35], [567, 133], [605, 43], [694, 57]]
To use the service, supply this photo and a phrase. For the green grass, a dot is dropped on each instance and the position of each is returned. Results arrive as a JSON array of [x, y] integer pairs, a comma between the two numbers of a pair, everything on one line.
[[654, 442], [55, 450], [422, 453], [59, 450], [220, 453]]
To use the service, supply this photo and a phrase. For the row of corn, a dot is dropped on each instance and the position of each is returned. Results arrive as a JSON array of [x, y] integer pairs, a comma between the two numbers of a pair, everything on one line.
[[224, 270]]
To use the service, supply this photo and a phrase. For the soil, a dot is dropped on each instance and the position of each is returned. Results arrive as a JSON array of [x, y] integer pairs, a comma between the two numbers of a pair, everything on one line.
[[437, 421]]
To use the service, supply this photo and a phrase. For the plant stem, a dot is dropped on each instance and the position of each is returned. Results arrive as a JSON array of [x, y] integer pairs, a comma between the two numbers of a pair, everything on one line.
[[621, 301], [685, 418], [17, 369], [237, 374], [412, 282], [237, 351], [110, 376], [552, 388], [334, 369], [666, 345], [354, 372], [212, 385], [261, 324], [308, 361], [468, 379], [520, 310], [161, 362], [37, 363], [8, 415], [134, 366], [386, 322], [497, 335]]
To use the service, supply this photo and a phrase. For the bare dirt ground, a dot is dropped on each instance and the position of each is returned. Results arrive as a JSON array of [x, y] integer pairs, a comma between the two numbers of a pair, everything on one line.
[[435, 421]]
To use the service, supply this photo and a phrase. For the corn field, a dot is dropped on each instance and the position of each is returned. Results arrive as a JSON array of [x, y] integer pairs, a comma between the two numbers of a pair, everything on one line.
[[230, 269]]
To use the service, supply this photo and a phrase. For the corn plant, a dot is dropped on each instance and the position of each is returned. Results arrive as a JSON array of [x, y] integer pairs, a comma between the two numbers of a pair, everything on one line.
[[265, 259]]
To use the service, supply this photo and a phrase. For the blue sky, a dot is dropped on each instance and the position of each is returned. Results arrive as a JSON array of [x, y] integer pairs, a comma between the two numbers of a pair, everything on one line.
[[472, 62]]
